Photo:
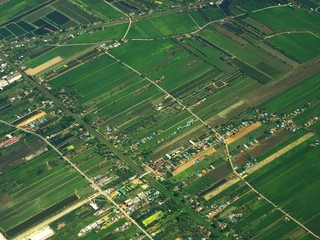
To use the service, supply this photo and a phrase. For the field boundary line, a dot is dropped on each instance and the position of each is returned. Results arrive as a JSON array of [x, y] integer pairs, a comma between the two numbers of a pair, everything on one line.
[[291, 32], [128, 16], [280, 152], [199, 27]]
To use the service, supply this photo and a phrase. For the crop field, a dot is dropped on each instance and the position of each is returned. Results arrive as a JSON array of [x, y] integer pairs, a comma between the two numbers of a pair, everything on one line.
[[222, 41], [42, 20], [258, 217], [169, 62], [105, 74], [259, 60], [299, 198], [114, 32], [301, 46], [12, 8], [147, 118], [27, 192], [295, 97], [165, 25], [190, 174], [221, 100], [288, 19], [64, 52], [203, 16], [101, 8]]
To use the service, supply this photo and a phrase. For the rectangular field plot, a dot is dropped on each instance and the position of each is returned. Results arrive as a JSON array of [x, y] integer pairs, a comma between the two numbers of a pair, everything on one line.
[[220, 40], [57, 18], [102, 8], [64, 52], [27, 27], [98, 80], [5, 33], [73, 12], [262, 61], [202, 16], [295, 97], [33, 187], [170, 65], [15, 154], [221, 104], [164, 25], [15, 29], [114, 32], [288, 19], [10, 9], [300, 46]]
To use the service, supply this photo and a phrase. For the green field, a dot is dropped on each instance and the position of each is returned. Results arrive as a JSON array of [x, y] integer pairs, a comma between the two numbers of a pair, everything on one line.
[[295, 97], [275, 181], [222, 41], [34, 186], [288, 19], [164, 25], [168, 61], [301, 46], [64, 52], [114, 32], [12, 8], [100, 7]]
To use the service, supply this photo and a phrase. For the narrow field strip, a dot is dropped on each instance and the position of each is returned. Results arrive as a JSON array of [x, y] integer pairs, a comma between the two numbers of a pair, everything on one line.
[[44, 66], [260, 164]]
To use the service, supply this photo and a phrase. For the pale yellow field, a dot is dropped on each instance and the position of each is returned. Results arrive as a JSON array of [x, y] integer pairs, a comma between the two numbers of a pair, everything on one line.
[[192, 161], [243, 132], [29, 120], [259, 165], [44, 66]]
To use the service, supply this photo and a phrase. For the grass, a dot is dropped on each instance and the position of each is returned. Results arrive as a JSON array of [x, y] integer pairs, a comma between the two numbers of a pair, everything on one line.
[[64, 52], [301, 46], [113, 32], [160, 26]]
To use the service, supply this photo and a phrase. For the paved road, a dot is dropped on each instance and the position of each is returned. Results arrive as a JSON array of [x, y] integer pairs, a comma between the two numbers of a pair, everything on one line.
[[55, 217]]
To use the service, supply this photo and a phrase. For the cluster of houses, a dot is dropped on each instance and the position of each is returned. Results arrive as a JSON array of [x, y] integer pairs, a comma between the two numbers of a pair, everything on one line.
[[8, 79], [9, 141]]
